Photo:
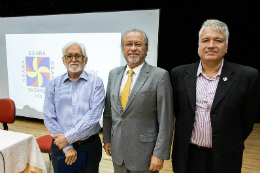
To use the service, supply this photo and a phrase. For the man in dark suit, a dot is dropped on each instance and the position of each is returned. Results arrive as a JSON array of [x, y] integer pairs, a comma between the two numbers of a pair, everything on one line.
[[138, 115], [215, 104]]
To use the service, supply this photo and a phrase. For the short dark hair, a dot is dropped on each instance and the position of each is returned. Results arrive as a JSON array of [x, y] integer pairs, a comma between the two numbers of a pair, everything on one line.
[[135, 30]]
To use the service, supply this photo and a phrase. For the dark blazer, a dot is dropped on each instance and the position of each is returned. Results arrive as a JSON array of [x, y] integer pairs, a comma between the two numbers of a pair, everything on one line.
[[233, 113], [145, 127]]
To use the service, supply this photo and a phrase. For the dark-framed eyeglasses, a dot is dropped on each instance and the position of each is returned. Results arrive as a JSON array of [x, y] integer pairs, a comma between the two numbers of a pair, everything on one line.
[[135, 44], [77, 57]]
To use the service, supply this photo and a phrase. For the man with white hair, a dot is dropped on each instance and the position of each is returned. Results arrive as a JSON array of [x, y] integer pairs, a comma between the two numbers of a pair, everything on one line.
[[72, 109], [215, 104]]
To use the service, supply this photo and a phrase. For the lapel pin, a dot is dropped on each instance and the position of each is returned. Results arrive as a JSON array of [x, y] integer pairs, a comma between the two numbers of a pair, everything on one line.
[[225, 79]]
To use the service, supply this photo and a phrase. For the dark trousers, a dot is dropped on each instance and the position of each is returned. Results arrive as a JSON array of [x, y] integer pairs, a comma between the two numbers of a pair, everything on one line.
[[93, 149], [200, 160]]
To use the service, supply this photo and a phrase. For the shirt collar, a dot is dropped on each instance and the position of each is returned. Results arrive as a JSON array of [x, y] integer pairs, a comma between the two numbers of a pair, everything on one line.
[[136, 69], [83, 75], [219, 71]]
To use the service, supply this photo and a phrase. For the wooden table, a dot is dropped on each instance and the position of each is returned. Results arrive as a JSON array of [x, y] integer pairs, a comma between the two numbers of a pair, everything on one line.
[[21, 153]]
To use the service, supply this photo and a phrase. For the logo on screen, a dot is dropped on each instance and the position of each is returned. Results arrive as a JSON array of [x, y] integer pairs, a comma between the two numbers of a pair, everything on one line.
[[37, 71]]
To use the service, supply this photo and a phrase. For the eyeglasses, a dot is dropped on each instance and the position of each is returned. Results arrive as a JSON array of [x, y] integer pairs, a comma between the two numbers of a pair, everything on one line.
[[70, 57], [136, 44]]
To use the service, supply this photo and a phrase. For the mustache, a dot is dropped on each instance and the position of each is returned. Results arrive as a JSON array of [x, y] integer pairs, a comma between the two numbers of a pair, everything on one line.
[[74, 63], [136, 53]]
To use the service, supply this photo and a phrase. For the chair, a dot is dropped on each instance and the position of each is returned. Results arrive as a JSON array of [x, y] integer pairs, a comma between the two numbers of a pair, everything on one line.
[[7, 112], [44, 143]]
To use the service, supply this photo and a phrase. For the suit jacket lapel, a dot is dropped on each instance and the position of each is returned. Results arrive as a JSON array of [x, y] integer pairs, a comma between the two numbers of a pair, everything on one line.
[[117, 84], [190, 82], [223, 86], [144, 73]]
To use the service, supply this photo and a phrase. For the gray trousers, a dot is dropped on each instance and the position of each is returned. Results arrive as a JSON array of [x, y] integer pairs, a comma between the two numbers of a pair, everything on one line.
[[122, 169]]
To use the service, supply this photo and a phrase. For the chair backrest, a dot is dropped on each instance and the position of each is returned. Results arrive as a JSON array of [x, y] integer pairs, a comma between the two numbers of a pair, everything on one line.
[[7, 111]]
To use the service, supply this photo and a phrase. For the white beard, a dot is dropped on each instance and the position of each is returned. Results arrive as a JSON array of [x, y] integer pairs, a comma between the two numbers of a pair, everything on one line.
[[74, 67], [131, 60], [141, 57]]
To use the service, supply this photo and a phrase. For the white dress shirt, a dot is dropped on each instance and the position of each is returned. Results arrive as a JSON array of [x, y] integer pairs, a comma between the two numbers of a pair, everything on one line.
[[134, 77]]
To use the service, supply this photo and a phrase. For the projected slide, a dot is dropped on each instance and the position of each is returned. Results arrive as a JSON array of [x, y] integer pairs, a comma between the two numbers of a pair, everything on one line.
[[35, 59], [30, 50]]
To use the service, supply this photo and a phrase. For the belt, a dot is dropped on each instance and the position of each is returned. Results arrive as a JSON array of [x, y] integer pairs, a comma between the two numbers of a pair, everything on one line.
[[80, 143], [194, 146]]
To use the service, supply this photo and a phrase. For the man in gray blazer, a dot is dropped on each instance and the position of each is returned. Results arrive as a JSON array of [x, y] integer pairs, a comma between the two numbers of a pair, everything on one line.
[[138, 115]]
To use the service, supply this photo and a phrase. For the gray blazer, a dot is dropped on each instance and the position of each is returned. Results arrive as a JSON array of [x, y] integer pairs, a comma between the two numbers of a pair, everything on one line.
[[145, 127]]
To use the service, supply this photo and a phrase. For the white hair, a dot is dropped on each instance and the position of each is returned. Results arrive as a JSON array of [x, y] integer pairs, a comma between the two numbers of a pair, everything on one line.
[[216, 25], [135, 30], [83, 49]]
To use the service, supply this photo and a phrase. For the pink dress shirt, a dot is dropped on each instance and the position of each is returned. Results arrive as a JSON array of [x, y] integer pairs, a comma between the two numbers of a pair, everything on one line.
[[205, 92]]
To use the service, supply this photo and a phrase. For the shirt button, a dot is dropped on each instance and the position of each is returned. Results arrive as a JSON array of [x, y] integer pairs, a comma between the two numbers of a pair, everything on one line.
[[74, 93], [73, 104], [73, 115]]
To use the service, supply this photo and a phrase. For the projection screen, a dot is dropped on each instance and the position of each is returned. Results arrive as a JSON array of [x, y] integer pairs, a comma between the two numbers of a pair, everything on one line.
[[31, 56]]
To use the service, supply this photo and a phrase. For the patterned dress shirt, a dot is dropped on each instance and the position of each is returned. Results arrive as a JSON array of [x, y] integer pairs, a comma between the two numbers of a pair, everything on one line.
[[205, 93], [74, 108]]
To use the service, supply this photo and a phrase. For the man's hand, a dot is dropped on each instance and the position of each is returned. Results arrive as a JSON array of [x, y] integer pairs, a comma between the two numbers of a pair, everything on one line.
[[107, 147], [71, 156], [156, 164], [60, 141]]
